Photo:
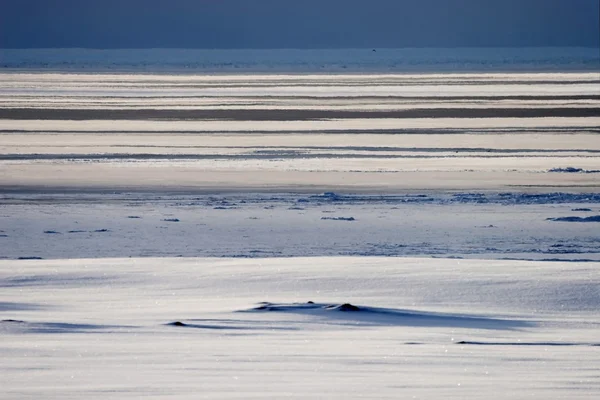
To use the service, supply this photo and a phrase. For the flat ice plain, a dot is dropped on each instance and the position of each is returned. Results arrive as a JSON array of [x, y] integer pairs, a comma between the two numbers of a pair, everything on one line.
[[427, 328], [162, 235]]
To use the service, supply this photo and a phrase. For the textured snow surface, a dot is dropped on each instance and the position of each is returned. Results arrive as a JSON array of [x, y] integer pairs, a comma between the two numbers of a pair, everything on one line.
[[198, 328], [459, 224]]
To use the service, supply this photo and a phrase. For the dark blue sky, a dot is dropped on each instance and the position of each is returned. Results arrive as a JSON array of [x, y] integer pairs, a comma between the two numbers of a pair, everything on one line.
[[297, 23]]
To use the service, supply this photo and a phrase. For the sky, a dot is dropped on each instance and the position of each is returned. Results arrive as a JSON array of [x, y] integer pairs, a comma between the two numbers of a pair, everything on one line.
[[298, 23]]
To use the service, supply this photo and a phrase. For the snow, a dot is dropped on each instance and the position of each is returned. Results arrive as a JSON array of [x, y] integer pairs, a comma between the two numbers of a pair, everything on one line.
[[592, 218], [460, 224], [427, 328], [291, 126], [178, 235]]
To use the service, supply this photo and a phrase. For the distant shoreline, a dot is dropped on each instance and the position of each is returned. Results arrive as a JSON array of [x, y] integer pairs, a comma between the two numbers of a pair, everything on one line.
[[302, 61]]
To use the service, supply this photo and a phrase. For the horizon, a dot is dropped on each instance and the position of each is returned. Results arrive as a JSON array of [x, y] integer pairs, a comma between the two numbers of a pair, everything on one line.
[[302, 48], [463, 59]]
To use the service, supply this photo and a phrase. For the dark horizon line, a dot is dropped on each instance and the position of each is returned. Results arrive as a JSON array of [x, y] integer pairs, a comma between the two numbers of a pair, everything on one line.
[[594, 47]]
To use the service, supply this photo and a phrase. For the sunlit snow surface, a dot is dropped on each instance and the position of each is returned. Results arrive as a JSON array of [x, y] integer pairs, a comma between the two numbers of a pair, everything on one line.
[[293, 185], [473, 165], [198, 328]]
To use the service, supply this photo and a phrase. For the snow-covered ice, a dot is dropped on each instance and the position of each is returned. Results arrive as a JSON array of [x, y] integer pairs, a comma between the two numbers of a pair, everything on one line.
[[461, 224], [376, 234], [426, 328]]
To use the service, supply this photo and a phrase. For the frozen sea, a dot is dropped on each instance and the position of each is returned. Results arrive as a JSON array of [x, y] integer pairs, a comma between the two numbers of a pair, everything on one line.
[[366, 223]]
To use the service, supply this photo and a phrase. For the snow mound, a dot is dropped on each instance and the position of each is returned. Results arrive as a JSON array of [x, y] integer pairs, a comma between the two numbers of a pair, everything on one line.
[[213, 326], [541, 344], [22, 327], [347, 313], [593, 218], [573, 170], [266, 306]]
